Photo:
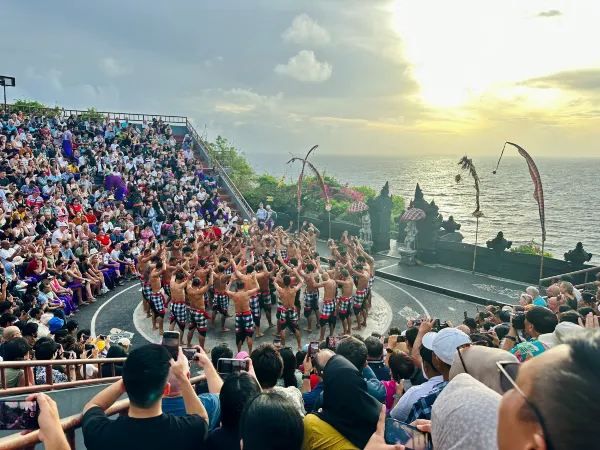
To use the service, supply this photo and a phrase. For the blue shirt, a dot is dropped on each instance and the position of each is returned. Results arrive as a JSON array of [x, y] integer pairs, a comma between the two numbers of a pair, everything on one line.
[[311, 398], [374, 387], [539, 301], [176, 407]]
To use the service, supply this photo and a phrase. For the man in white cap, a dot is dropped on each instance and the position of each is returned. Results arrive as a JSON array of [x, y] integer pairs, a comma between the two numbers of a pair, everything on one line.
[[60, 232], [443, 346]]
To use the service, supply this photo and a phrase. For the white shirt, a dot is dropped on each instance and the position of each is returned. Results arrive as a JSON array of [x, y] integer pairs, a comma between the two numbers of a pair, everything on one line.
[[57, 236], [410, 397]]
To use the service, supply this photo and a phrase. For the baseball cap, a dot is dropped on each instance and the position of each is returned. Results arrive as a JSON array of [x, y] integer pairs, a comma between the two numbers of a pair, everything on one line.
[[444, 343]]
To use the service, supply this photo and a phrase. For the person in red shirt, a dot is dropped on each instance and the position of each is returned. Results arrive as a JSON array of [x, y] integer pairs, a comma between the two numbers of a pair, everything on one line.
[[103, 238], [75, 207], [91, 219]]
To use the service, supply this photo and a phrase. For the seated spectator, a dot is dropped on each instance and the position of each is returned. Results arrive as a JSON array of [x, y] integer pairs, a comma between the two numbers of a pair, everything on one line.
[[47, 349], [480, 363], [534, 414], [173, 402], [115, 351], [402, 370], [465, 416], [355, 351], [291, 376], [17, 349], [375, 358], [538, 320], [144, 380], [271, 421], [268, 366], [348, 416], [237, 390]]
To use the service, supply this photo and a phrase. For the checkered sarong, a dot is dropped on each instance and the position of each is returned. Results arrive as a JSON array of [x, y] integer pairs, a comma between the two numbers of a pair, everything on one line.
[[265, 299], [146, 291], [343, 304], [167, 289], [179, 313], [370, 284], [198, 319], [358, 301], [289, 319], [244, 324], [221, 302], [311, 301], [284, 253], [327, 310], [157, 301], [255, 308]]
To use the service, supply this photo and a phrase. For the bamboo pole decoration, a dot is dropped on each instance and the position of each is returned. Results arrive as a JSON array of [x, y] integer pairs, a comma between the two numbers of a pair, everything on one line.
[[466, 163]]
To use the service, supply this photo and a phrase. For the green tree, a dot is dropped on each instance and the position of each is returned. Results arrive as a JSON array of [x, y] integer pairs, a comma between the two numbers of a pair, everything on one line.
[[91, 115], [531, 248], [33, 106], [398, 208], [238, 168]]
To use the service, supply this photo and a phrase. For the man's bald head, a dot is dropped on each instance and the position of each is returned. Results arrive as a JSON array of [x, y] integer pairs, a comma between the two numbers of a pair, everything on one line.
[[11, 333]]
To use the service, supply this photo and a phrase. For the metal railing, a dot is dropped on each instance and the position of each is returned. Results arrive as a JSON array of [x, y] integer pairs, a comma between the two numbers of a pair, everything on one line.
[[238, 197], [69, 425], [81, 378], [587, 272], [131, 117]]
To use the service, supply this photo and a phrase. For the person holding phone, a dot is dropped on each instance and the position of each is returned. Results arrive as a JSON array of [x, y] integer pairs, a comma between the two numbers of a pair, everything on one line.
[[145, 376]]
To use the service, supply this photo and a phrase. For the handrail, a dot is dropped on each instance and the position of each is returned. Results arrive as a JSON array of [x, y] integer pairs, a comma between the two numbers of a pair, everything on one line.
[[577, 272], [69, 425], [247, 210], [134, 117], [48, 365]]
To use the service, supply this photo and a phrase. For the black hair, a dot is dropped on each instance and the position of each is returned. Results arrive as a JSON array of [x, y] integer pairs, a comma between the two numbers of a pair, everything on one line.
[[300, 355], [585, 310], [249, 269], [220, 351], [570, 316], [237, 390], [71, 325], [310, 267], [427, 356], [30, 329], [542, 319], [7, 319], [354, 351], [289, 367], [85, 331], [145, 374], [15, 349], [45, 348], [411, 335], [401, 365], [564, 308], [504, 316], [579, 374], [394, 331], [268, 365], [5, 306], [471, 323], [501, 331], [271, 422], [374, 347], [287, 280]]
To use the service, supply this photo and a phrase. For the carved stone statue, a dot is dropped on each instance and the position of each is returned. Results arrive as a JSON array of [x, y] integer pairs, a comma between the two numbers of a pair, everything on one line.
[[450, 226], [411, 236], [380, 211], [365, 230], [578, 255], [499, 244]]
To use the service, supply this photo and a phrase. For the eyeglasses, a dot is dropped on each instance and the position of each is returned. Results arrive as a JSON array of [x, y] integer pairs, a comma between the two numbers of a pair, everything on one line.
[[508, 374]]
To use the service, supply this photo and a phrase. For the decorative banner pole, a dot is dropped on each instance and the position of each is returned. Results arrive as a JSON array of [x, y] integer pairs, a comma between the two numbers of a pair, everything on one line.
[[538, 193], [306, 162], [467, 164]]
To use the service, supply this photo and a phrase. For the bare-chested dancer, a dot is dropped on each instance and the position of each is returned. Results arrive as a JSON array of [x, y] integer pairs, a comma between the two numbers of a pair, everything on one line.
[[198, 317], [221, 299], [329, 311], [344, 301], [178, 307], [289, 315], [311, 295], [359, 301], [244, 325], [157, 298]]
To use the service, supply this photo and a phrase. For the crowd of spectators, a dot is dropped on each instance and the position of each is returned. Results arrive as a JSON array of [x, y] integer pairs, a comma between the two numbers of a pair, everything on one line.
[[79, 201]]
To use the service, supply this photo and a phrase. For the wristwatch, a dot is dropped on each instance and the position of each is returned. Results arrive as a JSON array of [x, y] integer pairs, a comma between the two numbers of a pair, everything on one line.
[[306, 377]]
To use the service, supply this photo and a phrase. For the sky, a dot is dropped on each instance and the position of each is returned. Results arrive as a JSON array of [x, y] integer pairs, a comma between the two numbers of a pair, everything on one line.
[[359, 77]]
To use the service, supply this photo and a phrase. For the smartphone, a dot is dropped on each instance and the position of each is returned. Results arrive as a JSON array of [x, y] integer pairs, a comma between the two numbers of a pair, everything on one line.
[[465, 314], [101, 336], [189, 353], [436, 325], [313, 348], [397, 432], [332, 342], [18, 415], [88, 347], [170, 341], [230, 365]]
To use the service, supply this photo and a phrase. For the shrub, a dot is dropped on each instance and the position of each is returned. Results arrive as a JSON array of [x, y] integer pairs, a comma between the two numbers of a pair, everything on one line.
[[531, 248]]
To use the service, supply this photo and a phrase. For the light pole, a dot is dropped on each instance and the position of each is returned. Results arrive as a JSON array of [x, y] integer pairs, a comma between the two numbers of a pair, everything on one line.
[[4, 82]]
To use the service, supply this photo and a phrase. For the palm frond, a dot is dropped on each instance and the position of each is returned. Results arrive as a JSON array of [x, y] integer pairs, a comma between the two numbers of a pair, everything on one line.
[[466, 164]]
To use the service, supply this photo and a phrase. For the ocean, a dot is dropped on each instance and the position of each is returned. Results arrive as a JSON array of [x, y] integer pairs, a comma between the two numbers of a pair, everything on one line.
[[571, 190]]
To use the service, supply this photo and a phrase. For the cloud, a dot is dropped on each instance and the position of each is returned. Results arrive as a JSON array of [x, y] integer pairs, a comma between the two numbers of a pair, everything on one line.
[[305, 30], [305, 67], [577, 80], [114, 68], [550, 13]]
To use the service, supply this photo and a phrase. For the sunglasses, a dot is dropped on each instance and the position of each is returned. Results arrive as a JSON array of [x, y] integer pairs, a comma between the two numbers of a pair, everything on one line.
[[508, 374]]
